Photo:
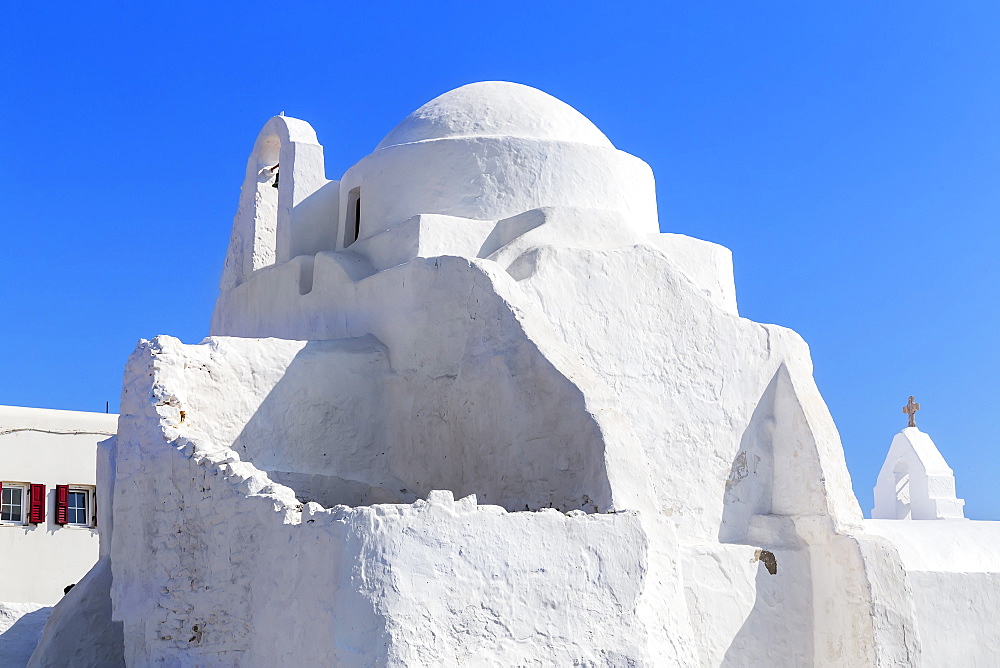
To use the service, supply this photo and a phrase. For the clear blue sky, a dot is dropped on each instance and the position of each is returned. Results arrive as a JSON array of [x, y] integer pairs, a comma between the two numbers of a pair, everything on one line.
[[847, 152]]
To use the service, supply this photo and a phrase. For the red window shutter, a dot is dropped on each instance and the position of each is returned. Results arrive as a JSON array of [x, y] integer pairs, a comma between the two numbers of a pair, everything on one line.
[[36, 511], [62, 503]]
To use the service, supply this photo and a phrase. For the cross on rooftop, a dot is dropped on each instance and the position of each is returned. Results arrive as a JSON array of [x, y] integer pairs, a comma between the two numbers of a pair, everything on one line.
[[911, 409]]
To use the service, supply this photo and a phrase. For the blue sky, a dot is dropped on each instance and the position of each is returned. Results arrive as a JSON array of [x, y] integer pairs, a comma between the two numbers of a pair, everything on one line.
[[848, 154]]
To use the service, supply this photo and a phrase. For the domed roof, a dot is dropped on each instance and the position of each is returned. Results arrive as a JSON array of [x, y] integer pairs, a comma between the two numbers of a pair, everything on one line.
[[496, 108]]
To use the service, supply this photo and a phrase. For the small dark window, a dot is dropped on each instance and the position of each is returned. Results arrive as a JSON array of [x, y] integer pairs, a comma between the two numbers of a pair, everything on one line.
[[352, 230], [357, 219]]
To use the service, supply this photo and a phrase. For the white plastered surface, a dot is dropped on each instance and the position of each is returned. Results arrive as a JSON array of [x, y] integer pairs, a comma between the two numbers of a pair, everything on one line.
[[643, 476]]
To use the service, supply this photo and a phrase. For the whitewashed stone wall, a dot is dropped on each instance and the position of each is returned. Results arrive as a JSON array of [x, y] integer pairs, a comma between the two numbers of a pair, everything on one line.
[[436, 582], [21, 625], [644, 477], [953, 569]]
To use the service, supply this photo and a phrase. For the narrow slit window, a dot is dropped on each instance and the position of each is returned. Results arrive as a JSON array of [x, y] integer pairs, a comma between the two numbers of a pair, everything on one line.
[[352, 228], [357, 219]]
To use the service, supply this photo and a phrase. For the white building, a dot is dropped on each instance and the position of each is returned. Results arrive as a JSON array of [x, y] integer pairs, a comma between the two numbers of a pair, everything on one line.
[[48, 514], [466, 405], [48, 524]]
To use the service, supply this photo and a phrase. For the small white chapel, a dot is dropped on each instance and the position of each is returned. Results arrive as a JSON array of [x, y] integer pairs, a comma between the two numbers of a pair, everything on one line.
[[467, 404]]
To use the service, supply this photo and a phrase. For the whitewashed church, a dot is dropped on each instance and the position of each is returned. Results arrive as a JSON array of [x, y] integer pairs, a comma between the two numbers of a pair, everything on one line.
[[466, 405]]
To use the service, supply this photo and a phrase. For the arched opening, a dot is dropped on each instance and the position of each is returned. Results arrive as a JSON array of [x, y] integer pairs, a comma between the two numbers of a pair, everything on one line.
[[901, 472], [266, 203], [267, 167], [352, 226]]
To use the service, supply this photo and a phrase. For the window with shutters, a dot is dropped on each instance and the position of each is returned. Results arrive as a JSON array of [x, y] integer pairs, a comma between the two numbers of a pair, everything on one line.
[[75, 506], [13, 497]]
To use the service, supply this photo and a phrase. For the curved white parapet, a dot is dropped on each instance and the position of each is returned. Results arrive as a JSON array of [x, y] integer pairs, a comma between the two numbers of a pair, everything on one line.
[[915, 482]]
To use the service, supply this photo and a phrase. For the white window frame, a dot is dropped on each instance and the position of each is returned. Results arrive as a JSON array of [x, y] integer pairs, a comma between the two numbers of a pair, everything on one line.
[[25, 490], [91, 509]]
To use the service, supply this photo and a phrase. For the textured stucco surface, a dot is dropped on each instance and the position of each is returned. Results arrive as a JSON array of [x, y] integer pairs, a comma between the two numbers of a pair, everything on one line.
[[503, 328], [642, 476], [953, 569], [21, 625], [79, 631]]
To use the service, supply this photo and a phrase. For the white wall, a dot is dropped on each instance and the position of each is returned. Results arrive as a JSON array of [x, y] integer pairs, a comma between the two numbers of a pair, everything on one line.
[[491, 150], [519, 333], [215, 564], [953, 568], [570, 356], [21, 625], [488, 178], [52, 448]]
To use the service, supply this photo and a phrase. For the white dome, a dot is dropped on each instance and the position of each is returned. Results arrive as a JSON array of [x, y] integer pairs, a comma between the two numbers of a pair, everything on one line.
[[496, 108]]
